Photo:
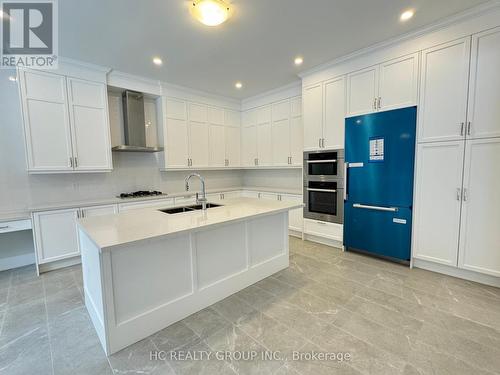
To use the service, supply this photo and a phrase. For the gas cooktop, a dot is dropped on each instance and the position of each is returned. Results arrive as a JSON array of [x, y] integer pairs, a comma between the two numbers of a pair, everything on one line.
[[140, 194]]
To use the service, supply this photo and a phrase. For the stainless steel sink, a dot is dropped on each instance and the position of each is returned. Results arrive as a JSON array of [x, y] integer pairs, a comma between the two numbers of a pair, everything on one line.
[[195, 207]]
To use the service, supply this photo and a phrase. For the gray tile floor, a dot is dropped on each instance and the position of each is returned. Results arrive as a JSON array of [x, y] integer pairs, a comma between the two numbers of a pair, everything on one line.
[[390, 319]]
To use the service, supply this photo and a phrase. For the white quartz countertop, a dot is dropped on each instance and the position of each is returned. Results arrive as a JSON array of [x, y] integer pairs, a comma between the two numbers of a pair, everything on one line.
[[113, 230]]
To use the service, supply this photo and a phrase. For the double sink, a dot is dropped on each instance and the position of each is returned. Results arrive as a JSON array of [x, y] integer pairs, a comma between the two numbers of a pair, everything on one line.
[[195, 207]]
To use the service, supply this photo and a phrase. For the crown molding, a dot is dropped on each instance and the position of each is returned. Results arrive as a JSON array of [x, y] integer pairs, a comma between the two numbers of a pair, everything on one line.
[[441, 24], [83, 64], [166, 86]]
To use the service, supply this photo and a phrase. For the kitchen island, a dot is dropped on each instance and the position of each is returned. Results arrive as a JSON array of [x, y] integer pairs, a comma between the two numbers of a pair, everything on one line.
[[144, 270]]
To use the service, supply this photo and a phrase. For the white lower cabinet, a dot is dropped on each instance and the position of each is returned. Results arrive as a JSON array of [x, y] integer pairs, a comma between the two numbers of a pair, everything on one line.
[[56, 234], [295, 217], [479, 232], [457, 220], [323, 229], [437, 201]]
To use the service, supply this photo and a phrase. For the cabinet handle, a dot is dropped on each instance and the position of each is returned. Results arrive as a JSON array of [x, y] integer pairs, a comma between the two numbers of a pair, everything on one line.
[[71, 162], [466, 195], [468, 128], [4, 227], [319, 142], [462, 128], [76, 162], [379, 102], [323, 142], [257, 161], [375, 103], [459, 194]]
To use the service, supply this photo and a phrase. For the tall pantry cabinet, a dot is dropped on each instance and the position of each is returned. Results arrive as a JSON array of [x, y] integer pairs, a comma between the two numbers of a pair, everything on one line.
[[457, 205]]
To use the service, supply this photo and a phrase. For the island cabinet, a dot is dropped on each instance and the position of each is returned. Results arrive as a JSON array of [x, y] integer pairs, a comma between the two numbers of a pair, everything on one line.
[[139, 279], [55, 233], [389, 85], [201, 136], [66, 124]]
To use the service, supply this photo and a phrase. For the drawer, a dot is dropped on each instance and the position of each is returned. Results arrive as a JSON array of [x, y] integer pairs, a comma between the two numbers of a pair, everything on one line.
[[15, 225], [323, 229]]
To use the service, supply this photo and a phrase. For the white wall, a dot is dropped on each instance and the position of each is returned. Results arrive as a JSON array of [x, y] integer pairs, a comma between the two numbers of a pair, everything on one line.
[[132, 171]]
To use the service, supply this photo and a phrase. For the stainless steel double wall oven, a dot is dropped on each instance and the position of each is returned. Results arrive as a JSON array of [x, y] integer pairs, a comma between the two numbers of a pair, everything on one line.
[[324, 185]]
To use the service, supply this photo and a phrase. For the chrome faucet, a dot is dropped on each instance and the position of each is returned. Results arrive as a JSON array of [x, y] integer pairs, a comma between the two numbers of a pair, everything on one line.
[[203, 199]]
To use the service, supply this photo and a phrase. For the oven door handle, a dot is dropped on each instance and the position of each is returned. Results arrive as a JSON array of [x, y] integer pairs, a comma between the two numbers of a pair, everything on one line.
[[323, 190], [376, 208], [321, 161]]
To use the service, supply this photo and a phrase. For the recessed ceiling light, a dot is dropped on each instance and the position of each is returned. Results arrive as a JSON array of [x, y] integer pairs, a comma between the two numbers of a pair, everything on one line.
[[406, 15], [238, 85], [13, 78], [298, 60], [157, 61], [210, 12]]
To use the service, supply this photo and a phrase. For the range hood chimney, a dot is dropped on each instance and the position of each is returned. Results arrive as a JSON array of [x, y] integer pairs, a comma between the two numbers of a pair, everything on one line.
[[134, 124]]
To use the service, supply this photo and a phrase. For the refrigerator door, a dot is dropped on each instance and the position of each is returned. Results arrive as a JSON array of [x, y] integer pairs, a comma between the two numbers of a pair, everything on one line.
[[385, 233], [380, 150]]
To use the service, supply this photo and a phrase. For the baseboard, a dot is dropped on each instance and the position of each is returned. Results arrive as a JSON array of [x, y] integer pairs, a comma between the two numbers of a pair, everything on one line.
[[17, 261], [46, 267], [294, 233], [324, 241], [457, 272]]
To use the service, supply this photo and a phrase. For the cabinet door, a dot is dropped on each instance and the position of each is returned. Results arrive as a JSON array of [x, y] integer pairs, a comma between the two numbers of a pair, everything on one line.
[[46, 121], [334, 126], [296, 132], [281, 142], [198, 144], [443, 99], [177, 143], [233, 137], [398, 83], [295, 217], [281, 133], [56, 235], [216, 116], [312, 113], [217, 139], [100, 210], [362, 89], [90, 125], [437, 201], [248, 145], [264, 144], [484, 91], [479, 233]]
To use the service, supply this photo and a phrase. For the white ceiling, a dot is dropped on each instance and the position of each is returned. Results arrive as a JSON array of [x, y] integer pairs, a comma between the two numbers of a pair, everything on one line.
[[256, 46]]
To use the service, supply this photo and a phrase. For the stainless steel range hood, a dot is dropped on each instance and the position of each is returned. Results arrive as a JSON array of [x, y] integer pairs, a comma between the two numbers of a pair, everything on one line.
[[134, 124]]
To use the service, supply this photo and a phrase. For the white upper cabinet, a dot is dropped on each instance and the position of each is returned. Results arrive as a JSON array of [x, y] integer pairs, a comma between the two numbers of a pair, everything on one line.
[[437, 201], [334, 104], [177, 152], [91, 134], [264, 144], [296, 131], [313, 116], [362, 91], [398, 83], [479, 233], [249, 146], [46, 121], [233, 139], [66, 123], [484, 87], [198, 144], [443, 98], [217, 139], [281, 133]]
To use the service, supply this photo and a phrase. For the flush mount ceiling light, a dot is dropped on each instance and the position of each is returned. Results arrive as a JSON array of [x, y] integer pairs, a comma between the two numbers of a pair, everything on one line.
[[298, 60], [406, 15], [238, 85], [210, 12], [157, 61]]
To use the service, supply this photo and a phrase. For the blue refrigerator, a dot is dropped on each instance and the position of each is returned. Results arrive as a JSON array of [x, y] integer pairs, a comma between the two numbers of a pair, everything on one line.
[[379, 156]]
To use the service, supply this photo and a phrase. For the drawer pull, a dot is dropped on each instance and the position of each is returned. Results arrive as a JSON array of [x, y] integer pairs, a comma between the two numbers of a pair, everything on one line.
[[5, 227]]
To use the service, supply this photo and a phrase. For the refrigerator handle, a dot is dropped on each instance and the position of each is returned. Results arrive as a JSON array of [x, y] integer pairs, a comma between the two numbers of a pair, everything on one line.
[[346, 171]]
